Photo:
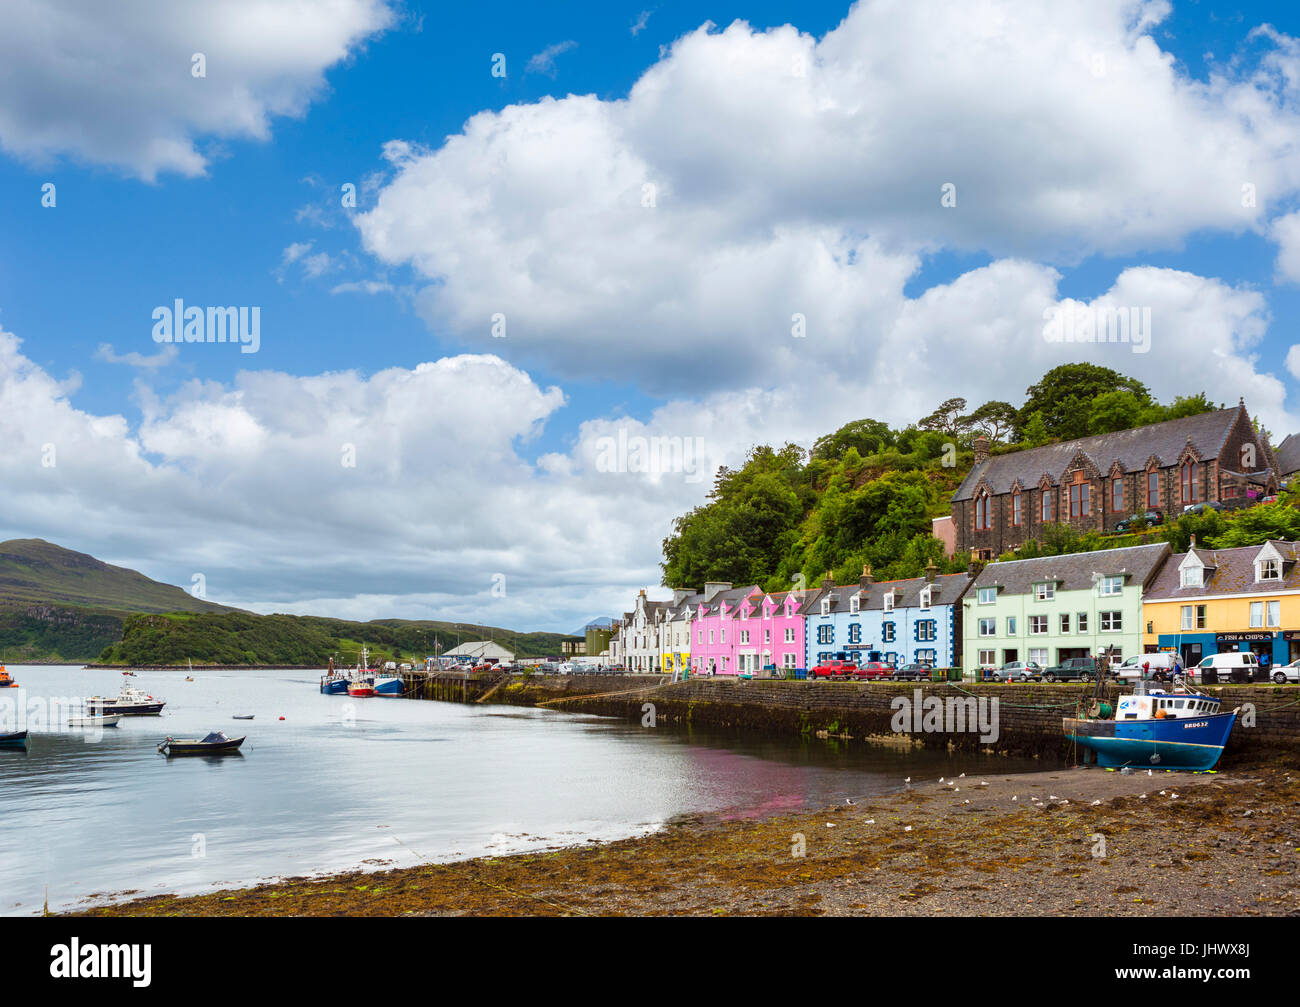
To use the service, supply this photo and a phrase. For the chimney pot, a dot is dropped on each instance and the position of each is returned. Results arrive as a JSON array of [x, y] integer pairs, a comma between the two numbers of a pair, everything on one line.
[[981, 446]]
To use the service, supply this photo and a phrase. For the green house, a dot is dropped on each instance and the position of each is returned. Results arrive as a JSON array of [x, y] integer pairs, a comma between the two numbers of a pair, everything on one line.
[[1052, 608]]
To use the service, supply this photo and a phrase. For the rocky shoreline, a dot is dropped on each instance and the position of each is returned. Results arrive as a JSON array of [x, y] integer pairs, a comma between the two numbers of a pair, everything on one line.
[[1061, 842]]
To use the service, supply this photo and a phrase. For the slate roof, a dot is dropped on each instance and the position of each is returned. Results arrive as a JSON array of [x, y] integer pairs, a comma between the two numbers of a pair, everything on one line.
[[1288, 455], [947, 590], [1131, 448], [1073, 571], [1232, 571]]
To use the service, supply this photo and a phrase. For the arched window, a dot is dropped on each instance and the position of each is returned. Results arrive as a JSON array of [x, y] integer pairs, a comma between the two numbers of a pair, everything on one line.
[[1080, 490], [1189, 472], [1015, 508], [983, 512], [1046, 505]]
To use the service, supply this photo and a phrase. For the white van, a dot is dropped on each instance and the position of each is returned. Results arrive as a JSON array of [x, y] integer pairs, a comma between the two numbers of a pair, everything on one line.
[[1228, 662], [1163, 665]]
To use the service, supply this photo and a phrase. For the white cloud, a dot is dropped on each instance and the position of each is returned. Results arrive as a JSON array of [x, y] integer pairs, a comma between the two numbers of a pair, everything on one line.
[[112, 83], [749, 176], [544, 61], [642, 19], [1286, 232], [162, 358]]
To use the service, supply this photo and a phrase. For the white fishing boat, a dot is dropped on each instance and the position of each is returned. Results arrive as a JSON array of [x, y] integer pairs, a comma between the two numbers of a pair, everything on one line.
[[129, 702], [107, 720]]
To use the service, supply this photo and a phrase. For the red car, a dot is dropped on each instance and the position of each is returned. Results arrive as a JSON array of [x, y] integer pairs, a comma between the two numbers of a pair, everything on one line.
[[833, 669], [874, 670]]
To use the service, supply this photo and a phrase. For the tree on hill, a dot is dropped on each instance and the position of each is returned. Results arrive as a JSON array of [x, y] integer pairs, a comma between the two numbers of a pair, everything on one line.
[[868, 436], [1065, 394], [947, 419], [994, 420]]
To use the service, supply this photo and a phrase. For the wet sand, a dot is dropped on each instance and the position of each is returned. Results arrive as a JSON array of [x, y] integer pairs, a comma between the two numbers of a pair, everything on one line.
[[1033, 844]]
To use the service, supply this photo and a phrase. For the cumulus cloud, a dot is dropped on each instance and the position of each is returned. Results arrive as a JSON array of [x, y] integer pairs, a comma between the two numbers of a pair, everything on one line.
[[113, 84], [544, 61], [750, 177]]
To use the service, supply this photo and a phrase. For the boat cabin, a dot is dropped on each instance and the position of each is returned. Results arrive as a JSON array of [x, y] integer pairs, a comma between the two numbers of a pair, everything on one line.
[[1161, 705]]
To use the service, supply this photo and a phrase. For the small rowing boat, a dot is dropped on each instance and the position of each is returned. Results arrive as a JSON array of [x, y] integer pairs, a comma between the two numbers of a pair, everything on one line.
[[243, 716], [107, 720], [216, 743], [15, 740]]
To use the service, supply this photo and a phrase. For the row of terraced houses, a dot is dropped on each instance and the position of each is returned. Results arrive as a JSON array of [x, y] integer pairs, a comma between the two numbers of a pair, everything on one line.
[[1120, 602]]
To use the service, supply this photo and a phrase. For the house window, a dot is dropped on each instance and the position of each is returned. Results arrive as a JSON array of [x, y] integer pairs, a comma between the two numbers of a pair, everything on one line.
[[722, 635], [1190, 576], [767, 636], [1080, 505], [1153, 488], [1015, 508], [1268, 569], [1065, 622], [855, 603], [889, 601], [789, 634], [1193, 616], [788, 660], [1011, 625], [1081, 622], [1111, 586], [1038, 656], [1272, 614], [710, 636], [925, 596], [988, 658], [1188, 475], [925, 630], [855, 632], [887, 632], [988, 627], [1037, 625], [826, 606], [701, 636], [1112, 622], [825, 634], [1044, 592], [1045, 505], [988, 595], [927, 655], [1117, 494], [744, 636]]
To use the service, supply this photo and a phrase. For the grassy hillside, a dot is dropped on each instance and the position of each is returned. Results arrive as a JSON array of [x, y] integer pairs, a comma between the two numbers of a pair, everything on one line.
[[52, 633], [243, 638], [33, 571]]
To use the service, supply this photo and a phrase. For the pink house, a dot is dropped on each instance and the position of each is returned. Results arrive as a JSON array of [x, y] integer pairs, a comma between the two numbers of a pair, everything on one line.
[[742, 630]]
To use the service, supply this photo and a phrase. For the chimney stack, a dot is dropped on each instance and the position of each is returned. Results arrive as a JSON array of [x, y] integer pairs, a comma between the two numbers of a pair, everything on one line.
[[974, 569], [713, 587], [981, 446], [930, 571], [828, 581], [866, 580]]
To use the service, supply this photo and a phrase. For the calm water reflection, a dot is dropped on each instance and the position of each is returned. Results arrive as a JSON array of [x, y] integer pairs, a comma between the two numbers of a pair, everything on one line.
[[340, 783]]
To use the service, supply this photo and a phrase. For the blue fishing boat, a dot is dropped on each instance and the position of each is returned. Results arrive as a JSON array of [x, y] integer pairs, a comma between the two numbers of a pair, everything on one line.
[[1183, 729], [388, 685]]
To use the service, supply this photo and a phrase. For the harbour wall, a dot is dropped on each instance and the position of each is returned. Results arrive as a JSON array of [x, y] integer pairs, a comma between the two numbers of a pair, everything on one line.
[[1028, 715]]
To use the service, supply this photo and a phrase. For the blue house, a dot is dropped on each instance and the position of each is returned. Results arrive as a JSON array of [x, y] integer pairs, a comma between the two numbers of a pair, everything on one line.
[[896, 621]]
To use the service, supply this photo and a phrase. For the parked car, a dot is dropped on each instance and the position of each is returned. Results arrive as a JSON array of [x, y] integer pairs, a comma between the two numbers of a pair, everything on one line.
[[1228, 663], [1202, 507], [914, 672], [833, 669], [1148, 518], [874, 671], [1082, 668], [1161, 667], [1287, 673], [1019, 671], [566, 668], [1271, 498]]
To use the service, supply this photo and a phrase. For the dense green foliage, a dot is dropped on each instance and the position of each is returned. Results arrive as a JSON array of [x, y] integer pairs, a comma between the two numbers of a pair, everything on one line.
[[865, 494], [52, 633], [238, 638]]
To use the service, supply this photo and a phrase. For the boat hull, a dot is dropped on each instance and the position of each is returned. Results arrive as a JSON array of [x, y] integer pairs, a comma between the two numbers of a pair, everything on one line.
[[107, 720], [1183, 743], [390, 686], [333, 686], [229, 747], [107, 707], [16, 740], [361, 690]]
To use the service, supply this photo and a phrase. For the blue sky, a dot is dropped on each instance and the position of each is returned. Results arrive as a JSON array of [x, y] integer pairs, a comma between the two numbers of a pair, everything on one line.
[[131, 230]]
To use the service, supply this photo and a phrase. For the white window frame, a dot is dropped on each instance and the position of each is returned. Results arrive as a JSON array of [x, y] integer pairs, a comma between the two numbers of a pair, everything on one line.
[[988, 596], [889, 601], [988, 658], [1115, 616], [1081, 622], [988, 627], [1111, 587], [1272, 565], [855, 603], [1256, 615], [1045, 592], [1272, 614], [789, 634], [1038, 620]]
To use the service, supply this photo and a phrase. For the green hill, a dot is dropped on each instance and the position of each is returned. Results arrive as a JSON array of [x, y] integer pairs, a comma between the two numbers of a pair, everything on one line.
[[301, 640], [33, 571]]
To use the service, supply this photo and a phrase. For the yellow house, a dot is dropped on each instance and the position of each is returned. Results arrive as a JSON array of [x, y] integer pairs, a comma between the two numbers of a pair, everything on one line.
[[1206, 601]]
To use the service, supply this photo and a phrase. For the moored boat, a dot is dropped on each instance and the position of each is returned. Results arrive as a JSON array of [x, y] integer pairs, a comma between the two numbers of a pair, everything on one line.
[[129, 702], [106, 720], [215, 743], [5, 681], [388, 685], [361, 687], [1182, 729], [15, 740]]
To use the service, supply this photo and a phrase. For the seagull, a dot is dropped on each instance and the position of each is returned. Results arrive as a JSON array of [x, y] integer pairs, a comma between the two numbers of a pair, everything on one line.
[[1148, 772], [1053, 797], [967, 801], [951, 784], [941, 779], [956, 790], [1095, 803], [869, 821], [1173, 797], [984, 783], [848, 801], [962, 777], [830, 825], [1162, 793], [1016, 797], [907, 828]]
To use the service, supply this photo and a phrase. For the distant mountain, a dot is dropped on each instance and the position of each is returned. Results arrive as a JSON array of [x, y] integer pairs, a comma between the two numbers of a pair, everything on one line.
[[36, 572]]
